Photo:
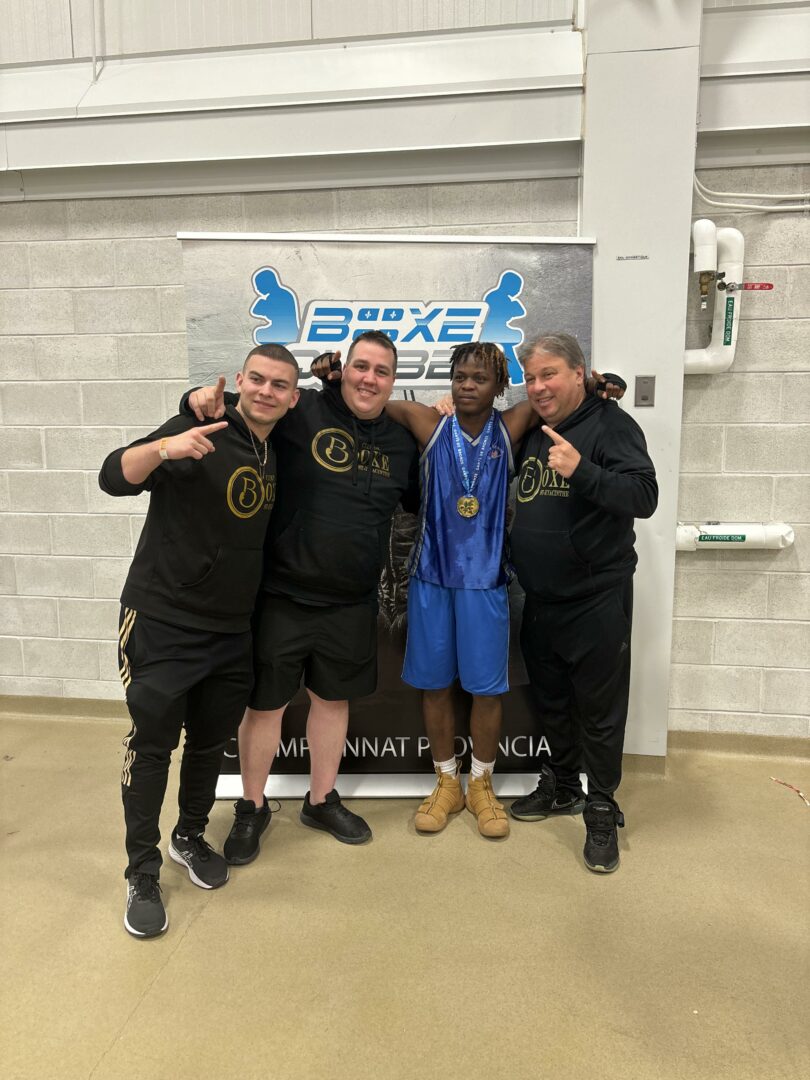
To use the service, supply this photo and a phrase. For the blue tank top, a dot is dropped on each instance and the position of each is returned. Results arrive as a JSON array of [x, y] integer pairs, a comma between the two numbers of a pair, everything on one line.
[[455, 551]]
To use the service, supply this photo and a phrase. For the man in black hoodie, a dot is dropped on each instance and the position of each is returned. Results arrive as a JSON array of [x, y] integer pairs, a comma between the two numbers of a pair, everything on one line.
[[343, 467], [184, 632], [584, 475]]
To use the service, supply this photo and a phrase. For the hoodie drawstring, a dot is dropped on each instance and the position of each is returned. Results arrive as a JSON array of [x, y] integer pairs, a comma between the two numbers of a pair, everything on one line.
[[357, 449], [356, 462]]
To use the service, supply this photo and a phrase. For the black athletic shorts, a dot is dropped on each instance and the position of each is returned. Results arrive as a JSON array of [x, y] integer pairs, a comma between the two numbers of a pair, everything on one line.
[[334, 648]]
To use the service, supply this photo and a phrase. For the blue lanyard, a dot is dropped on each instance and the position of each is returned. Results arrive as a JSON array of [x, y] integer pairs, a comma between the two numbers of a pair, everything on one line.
[[469, 482]]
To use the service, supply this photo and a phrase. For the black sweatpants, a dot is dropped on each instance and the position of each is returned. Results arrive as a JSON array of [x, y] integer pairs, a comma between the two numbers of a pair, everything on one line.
[[175, 677], [577, 654]]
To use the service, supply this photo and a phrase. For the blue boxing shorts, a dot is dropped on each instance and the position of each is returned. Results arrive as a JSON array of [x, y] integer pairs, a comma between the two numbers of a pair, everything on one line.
[[457, 633]]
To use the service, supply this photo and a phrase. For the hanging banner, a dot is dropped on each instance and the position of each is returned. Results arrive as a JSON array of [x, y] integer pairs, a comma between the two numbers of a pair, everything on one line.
[[315, 293]]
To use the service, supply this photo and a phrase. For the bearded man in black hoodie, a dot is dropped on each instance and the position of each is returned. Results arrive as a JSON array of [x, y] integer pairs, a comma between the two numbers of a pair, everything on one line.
[[343, 467], [584, 475], [184, 632]]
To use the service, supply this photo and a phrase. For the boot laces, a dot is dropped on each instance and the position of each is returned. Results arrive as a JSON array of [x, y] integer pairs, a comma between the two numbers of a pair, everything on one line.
[[489, 793], [434, 795], [603, 832], [600, 837], [202, 849]]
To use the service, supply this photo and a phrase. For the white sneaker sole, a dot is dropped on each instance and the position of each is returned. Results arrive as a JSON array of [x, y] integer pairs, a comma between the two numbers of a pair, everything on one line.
[[178, 858]]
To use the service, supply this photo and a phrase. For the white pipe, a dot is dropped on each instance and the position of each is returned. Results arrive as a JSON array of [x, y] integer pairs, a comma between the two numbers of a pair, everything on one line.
[[719, 353], [704, 241], [797, 196], [733, 534], [777, 208]]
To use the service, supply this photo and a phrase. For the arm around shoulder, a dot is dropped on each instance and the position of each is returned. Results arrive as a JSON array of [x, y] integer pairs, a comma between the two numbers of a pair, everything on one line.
[[519, 420], [419, 419]]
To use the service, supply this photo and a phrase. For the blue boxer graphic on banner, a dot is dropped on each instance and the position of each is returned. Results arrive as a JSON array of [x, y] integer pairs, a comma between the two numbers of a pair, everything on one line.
[[504, 308], [277, 305], [425, 333]]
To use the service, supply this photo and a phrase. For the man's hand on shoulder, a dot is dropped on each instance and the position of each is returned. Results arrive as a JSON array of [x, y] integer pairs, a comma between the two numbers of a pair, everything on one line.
[[327, 367], [208, 403], [609, 387]]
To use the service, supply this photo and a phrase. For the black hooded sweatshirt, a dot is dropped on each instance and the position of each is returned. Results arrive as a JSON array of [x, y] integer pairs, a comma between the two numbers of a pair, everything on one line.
[[340, 479], [572, 538], [198, 563]]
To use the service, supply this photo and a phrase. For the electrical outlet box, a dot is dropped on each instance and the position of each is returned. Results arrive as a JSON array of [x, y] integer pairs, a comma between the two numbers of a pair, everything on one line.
[[645, 390]]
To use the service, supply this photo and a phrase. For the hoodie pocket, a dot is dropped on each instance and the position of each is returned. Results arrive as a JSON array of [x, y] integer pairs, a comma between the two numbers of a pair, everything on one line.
[[226, 582], [327, 557], [546, 562]]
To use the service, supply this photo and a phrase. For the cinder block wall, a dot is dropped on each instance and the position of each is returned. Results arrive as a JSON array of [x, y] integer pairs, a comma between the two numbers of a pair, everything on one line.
[[741, 648], [94, 353]]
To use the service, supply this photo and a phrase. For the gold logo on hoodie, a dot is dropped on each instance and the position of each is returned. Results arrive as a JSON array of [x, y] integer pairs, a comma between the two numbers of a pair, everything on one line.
[[333, 449], [539, 479], [248, 493]]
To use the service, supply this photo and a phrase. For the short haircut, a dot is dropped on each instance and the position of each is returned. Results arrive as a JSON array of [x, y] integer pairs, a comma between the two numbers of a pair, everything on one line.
[[274, 352], [485, 353], [376, 337], [557, 344]]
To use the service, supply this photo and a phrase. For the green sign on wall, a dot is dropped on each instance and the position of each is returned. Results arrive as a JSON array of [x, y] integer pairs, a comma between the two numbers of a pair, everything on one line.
[[729, 320]]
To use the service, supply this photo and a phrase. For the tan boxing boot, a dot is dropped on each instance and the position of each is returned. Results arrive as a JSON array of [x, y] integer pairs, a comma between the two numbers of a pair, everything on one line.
[[481, 801], [445, 799]]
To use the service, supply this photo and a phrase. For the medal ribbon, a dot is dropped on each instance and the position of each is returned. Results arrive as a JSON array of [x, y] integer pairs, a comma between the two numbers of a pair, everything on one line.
[[468, 482]]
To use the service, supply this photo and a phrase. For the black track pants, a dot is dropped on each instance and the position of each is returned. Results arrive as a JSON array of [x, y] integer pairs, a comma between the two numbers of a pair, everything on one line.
[[175, 677], [577, 655]]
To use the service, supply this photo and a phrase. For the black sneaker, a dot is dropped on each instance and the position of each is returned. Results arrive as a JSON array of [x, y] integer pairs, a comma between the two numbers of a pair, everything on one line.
[[333, 817], [242, 845], [546, 801], [205, 867], [145, 915], [602, 841]]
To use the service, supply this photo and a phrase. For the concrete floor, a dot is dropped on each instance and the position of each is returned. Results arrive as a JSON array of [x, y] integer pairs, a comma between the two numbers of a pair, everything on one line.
[[412, 957]]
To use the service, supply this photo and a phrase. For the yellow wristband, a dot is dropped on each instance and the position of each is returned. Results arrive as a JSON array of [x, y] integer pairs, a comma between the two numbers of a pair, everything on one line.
[[162, 451]]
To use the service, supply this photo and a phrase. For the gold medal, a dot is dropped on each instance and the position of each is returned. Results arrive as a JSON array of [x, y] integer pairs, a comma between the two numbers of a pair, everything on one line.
[[468, 506]]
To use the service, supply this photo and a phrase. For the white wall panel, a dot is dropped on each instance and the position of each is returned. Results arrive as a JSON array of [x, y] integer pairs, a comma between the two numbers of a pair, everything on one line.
[[34, 30], [721, 4], [754, 41], [432, 65], [225, 79], [637, 184], [627, 25], [487, 120], [742, 103], [358, 18], [43, 92], [382, 169], [137, 26]]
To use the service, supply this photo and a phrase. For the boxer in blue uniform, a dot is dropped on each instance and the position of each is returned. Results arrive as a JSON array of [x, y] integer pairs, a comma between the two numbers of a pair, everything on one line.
[[459, 578]]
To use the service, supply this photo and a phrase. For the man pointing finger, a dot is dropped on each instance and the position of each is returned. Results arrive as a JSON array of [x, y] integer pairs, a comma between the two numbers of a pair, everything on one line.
[[583, 477], [184, 632], [562, 456]]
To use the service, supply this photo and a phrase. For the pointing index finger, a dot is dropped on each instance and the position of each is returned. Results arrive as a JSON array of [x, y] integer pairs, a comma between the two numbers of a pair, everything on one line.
[[552, 434], [209, 428]]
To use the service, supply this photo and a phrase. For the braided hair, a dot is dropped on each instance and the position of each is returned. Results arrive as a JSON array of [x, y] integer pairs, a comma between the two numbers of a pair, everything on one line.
[[488, 354]]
